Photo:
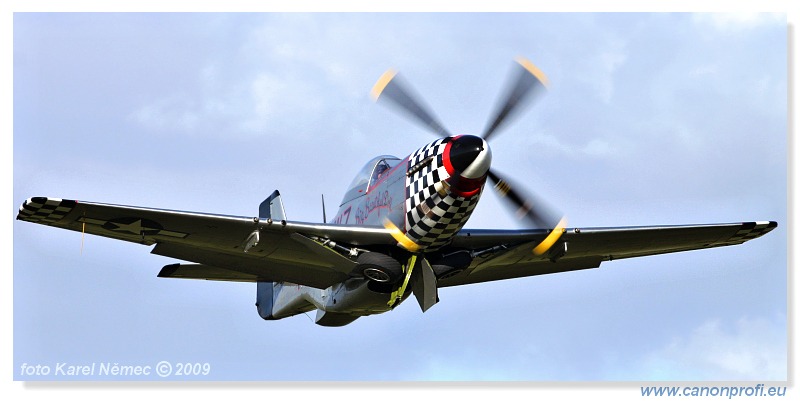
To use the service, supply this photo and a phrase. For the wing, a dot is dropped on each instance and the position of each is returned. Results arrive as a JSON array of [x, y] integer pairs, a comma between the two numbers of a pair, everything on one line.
[[224, 247], [508, 254]]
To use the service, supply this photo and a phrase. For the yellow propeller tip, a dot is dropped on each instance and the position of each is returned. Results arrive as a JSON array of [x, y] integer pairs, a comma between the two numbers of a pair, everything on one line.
[[551, 239], [535, 71], [400, 237], [379, 86]]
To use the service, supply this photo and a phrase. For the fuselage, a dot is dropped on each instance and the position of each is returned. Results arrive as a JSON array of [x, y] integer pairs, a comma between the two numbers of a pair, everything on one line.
[[423, 199], [427, 197]]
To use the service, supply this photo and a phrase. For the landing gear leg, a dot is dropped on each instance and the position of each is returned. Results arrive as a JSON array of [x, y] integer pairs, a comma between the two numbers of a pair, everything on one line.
[[424, 283]]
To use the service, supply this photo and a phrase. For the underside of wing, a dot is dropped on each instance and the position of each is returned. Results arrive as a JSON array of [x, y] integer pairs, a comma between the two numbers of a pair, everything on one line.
[[235, 248], [508, 254], [224, 247]]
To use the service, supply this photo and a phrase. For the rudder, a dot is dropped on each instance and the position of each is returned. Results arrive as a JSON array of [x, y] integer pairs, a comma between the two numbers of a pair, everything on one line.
[[265, 292]]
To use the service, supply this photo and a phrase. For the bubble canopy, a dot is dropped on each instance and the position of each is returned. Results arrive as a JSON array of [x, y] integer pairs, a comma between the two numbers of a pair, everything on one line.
[[375, 166]]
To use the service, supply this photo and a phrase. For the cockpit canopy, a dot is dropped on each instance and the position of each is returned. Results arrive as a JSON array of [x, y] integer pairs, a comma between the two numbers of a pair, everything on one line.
[[368, 175]]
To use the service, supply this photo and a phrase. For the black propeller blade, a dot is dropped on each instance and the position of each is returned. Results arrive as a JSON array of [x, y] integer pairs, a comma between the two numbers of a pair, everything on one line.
[[390, 87], [531, 209], [529, 80], [527, 207]]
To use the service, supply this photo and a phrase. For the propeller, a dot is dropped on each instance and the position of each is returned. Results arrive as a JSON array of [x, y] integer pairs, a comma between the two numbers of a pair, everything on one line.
[[527, 82], [392, 88], [531, 209]]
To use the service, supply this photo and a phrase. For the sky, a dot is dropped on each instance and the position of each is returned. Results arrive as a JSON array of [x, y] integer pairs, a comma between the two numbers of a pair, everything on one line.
[[650, 119]]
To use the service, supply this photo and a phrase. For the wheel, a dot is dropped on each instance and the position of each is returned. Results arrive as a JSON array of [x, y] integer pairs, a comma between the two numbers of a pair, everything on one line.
[[379, 267]]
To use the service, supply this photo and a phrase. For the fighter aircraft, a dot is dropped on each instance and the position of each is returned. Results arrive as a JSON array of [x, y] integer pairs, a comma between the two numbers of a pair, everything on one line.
[[399, 229]]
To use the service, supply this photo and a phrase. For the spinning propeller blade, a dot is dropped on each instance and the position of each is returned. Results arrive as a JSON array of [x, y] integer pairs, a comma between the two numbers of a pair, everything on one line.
[[390, 87], [529, 80], [531, 209]]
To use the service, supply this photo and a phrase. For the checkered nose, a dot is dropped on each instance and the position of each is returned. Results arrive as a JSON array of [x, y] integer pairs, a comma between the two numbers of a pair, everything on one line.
[[470, 156]]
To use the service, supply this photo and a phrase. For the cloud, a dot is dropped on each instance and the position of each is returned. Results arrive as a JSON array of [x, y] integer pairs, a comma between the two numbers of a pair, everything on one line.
[[269, 95], [168, 114], [749, 349], [273, 75], [599, 72], [597, 146], [738, 22]]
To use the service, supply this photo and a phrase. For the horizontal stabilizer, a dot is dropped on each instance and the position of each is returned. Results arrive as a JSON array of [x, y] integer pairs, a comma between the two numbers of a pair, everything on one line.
[[204, 272], [332, 319]]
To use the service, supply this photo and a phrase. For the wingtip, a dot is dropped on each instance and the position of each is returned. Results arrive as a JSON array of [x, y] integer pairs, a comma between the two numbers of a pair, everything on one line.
[[762, 224], [751, 230], [48, 209], [771, 225]]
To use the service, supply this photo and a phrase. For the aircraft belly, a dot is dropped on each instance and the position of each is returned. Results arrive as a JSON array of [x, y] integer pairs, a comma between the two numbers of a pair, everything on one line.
[[292, 299], [354, 297]]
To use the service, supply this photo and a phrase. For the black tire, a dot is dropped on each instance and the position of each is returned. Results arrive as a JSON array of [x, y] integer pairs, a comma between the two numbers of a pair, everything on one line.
[[379, 267]]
